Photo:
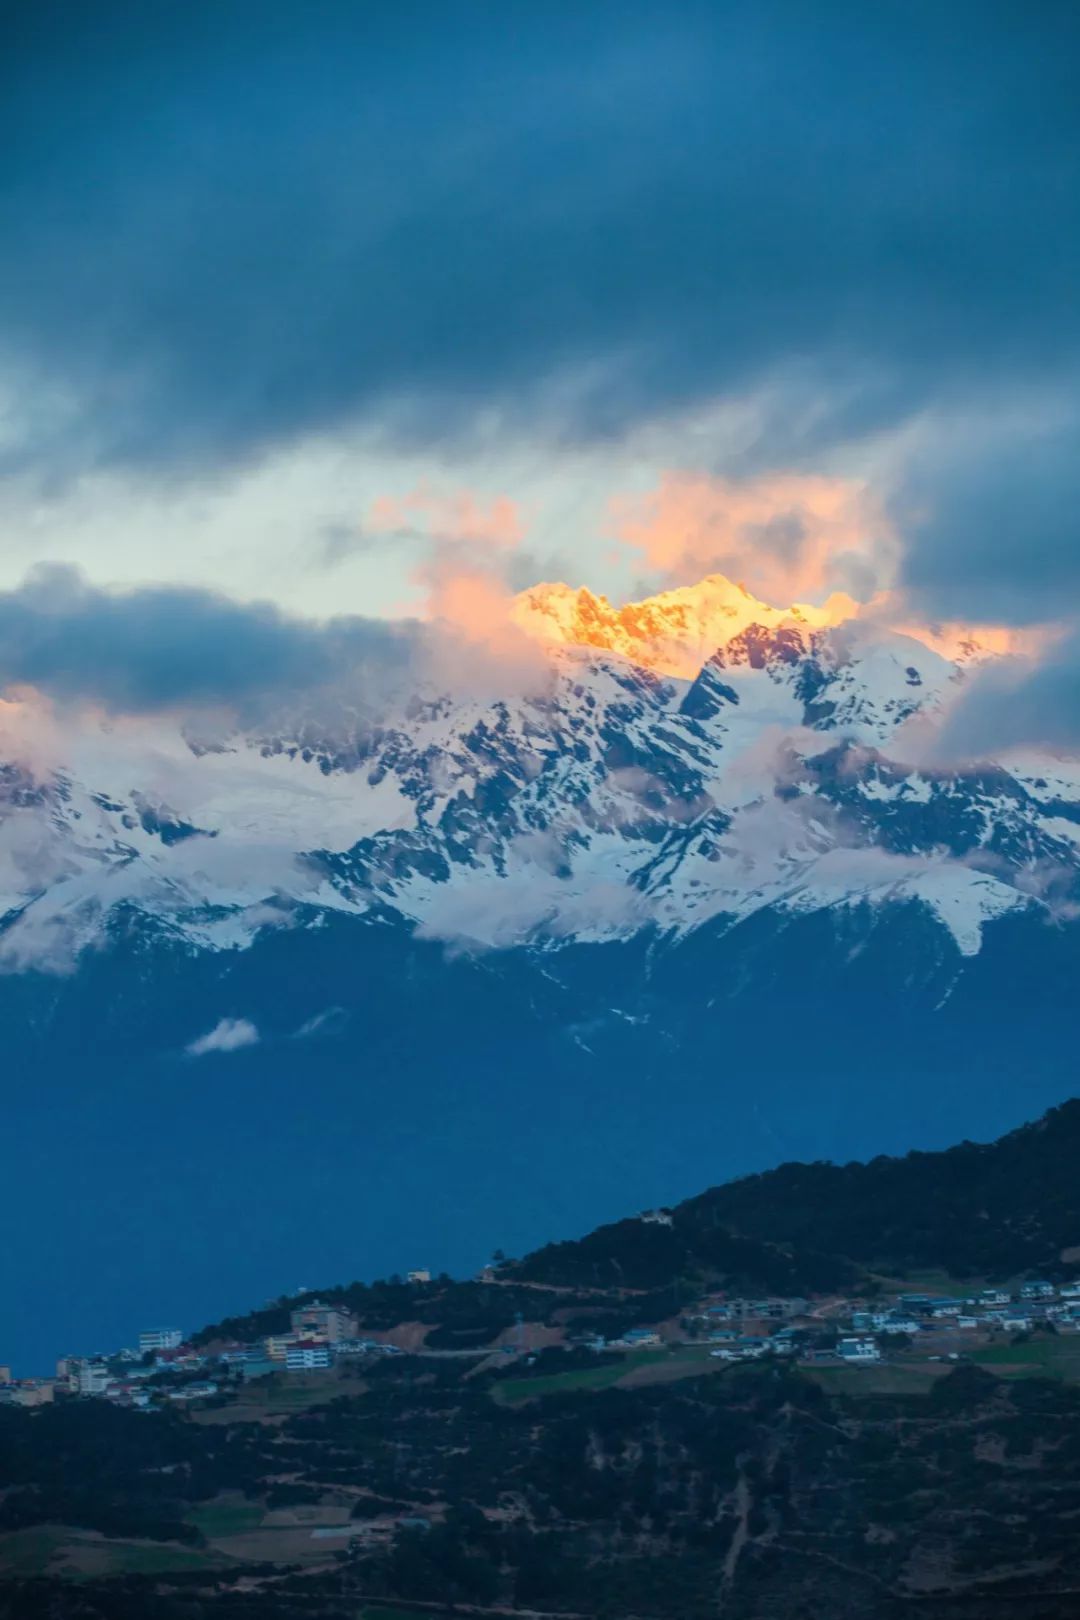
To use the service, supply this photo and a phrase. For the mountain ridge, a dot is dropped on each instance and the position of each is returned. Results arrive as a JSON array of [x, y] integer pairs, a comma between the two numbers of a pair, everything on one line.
[[606, 797]]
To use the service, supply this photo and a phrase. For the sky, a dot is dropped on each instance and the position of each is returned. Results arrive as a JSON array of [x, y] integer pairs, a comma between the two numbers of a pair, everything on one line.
[[327, 327], [292, 294]]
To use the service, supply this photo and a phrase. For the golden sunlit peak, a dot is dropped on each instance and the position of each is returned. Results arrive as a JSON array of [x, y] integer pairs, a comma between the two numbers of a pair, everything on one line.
[[674, 631]]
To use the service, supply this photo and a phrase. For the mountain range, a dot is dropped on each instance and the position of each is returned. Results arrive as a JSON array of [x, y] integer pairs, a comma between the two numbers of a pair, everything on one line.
[[696, 757], [664, 893]]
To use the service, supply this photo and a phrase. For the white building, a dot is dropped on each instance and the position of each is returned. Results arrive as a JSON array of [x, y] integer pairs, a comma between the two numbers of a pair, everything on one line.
[[308, 1356], [858, 1350], [325, 1322], [91, 1377], [421, 1275], [159, 1339]]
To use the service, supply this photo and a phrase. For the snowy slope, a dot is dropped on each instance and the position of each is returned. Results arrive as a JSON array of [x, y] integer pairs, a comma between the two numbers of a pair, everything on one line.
[[696, 757]]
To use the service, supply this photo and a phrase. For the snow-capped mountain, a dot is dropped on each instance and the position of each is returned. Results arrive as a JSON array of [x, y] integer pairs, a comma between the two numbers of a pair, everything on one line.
[[696, 757]]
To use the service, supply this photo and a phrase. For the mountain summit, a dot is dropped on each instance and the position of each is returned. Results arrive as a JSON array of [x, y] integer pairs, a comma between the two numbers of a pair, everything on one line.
[[675, 632]]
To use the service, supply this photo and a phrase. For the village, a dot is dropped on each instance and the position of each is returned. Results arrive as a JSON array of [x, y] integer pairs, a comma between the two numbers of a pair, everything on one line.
[[164, 1369]]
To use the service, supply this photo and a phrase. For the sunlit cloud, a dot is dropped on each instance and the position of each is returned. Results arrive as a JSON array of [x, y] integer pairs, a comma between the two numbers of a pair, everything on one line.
[[788, 537], [467, 545]]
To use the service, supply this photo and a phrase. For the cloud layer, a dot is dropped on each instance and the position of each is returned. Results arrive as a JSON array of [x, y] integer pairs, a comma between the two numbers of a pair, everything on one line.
[[163, 647], [285, 216], [233, 233]]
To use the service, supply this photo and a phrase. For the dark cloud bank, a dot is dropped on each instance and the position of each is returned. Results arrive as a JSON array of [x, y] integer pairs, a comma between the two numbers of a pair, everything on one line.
[[163, 647], [228, 226]]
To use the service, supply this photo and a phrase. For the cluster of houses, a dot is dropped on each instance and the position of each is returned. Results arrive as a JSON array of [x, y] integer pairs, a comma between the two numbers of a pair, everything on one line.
[[319, 1335], [867, 1328], [991, 1310], [322, 1335]]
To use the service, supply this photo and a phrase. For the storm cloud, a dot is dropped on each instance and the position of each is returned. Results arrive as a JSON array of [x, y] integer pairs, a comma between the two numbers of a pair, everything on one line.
[[992, 526], [1020, 703], [230, 226], [161, 647]]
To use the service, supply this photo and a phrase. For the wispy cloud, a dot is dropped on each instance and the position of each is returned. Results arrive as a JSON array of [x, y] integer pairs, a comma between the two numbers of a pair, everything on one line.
[[227, 1035]]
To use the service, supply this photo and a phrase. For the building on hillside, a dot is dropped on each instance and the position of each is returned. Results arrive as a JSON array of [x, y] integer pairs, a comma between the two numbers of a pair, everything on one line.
[[178, 1360], [326, 1322], [858, 1350], [657, 1217], [276, 1345], [309, 1355], [1016, 1324], [258, 1367], [91, 1377], [767, 1310], [636, 1337], [1070, 1290], [159, 1339], [1037, 1290], [747, 1348], [967, 1322], [420, 1275], [993, 1296]]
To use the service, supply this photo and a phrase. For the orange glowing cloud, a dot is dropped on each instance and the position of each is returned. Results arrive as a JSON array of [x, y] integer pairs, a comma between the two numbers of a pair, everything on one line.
[[458, 518], [963, 642], [468, 543], [811, 551], [788, 537]]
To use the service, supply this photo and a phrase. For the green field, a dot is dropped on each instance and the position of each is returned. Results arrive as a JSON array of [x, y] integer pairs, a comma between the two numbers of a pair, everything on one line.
[[934, 1281], [1054, 1356], [512, 1391], [287, 1394], [28, 1552], [62, 1551], [154, 1558], [884, 1378], [229, 1517], [277, 1396]]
